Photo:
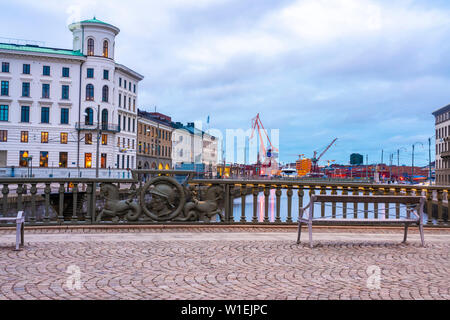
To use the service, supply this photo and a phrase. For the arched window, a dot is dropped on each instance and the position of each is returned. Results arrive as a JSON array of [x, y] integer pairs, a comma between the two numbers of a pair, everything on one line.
[[90, 47], [105, 94], [88, 116], [104, 119], [90, 92], [105, 48]]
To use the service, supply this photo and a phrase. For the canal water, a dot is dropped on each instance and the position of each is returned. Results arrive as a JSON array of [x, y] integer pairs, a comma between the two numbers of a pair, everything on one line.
[[237, 206]]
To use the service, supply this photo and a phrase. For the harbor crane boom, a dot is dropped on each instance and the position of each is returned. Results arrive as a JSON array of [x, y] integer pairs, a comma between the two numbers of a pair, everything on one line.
[[315, 161]]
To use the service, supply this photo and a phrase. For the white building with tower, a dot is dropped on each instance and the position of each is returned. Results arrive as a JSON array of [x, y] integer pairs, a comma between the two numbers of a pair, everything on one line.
[[53, 102]]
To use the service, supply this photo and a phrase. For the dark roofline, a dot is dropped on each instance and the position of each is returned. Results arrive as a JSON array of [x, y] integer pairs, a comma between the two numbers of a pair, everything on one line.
[[441, 110]]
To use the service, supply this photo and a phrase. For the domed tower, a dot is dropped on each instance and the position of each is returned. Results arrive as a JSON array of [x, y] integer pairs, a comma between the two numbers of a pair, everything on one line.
[[94, 38]]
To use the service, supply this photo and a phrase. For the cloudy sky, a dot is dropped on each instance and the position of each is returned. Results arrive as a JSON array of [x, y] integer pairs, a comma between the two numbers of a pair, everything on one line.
[[367, 72]]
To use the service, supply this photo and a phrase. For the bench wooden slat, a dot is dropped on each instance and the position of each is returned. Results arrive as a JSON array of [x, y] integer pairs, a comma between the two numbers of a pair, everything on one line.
[[399, 221], [368, 199]]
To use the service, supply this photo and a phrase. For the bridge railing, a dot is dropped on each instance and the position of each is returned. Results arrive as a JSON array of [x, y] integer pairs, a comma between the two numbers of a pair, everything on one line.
[[55, 201]]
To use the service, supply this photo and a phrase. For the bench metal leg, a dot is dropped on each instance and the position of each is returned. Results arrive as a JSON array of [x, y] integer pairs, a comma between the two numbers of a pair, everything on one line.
[[299, 231], [421, 234], [18, 232], [310, 234], [406, 232], [22, 234]]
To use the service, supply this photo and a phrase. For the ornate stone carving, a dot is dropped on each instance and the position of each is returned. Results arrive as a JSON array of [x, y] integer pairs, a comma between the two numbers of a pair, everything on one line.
[[198, 209], [115, 207]]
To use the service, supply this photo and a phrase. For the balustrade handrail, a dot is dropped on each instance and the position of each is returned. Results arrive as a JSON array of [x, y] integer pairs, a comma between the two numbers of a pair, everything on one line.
[[83, 194]]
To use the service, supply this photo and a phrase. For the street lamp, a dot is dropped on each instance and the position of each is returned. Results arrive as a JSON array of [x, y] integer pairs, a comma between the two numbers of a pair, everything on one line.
[[412, 167], [98, 139], [28, 159]]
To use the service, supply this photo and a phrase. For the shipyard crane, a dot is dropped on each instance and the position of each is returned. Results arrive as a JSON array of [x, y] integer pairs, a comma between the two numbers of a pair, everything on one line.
[[267, 154], [315, 159]]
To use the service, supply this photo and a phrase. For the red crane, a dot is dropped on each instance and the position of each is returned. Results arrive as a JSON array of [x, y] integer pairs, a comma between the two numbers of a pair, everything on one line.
[[315, 161], [266, 154]]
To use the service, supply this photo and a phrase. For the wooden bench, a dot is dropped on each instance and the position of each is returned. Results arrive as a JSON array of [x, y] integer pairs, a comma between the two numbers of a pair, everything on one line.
[[415, 206], [20, 224]]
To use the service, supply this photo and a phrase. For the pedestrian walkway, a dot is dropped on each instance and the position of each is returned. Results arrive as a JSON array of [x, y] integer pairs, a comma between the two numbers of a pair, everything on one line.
[[236, 262]]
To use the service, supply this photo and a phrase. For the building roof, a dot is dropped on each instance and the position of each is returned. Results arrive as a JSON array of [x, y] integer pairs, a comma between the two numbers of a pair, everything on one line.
[[94, 20], [38, 49], [441, 110]]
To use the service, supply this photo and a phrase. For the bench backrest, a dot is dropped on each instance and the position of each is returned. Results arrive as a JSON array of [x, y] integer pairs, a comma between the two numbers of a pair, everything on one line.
[[368, 199]]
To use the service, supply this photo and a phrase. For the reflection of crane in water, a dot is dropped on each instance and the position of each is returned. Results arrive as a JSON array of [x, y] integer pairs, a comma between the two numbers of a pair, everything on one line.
[[269, 165], [315, 159]]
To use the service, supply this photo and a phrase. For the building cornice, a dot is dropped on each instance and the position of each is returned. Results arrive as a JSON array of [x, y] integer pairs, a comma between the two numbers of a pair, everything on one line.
[[130, 72]]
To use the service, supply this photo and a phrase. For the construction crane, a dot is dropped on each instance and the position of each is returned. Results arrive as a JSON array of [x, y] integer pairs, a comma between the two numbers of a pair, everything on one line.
[[315, 159], [265, 154]]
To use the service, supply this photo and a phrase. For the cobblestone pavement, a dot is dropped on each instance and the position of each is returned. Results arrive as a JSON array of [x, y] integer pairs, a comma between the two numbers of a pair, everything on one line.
[[224, 263]]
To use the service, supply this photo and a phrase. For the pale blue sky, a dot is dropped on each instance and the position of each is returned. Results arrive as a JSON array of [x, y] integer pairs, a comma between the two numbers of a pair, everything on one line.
[[367, 72]]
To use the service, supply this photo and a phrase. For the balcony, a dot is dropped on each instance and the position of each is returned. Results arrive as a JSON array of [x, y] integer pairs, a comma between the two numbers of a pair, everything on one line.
[[109, 127]]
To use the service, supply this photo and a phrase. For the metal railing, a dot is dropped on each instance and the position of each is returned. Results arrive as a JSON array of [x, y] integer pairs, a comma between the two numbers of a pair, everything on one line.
[[54, 201]]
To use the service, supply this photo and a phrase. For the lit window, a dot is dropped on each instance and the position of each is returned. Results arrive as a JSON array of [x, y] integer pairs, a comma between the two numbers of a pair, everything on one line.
[[104, 139], [43, 159], [88, 160], [3, 135], [44, 137], [105, 48], [90, 47], [24, 136], [88, 138], [64, 137]]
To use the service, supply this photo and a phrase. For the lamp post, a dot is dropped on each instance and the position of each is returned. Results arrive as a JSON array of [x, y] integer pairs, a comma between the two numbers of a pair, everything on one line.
[[98, 139], [28, 159], [412, 167]]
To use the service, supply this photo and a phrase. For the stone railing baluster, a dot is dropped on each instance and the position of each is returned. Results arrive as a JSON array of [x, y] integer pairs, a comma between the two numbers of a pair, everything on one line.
[[333, 204], [278, 203], [375, 205], [300, 194], [289, 204], [47, 191], [75, 202], [429, 207], [243, 196], [19, 192], [33, 192], [366, 191], [355, 204], [440, 220], [255, 192], [88, 216], [397, 205], [266, 203], [61, 191], [323, 190], [5, 192], [386, 205], [344, 204]]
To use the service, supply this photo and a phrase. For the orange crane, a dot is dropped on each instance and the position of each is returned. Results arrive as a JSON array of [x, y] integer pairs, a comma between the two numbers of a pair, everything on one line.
[[267, 155], [315, 161]]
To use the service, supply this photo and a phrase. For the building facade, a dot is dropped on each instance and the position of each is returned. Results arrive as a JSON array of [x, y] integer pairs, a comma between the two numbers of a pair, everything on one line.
[[194, 146], [442, 126], [54, 103], [154, 138]]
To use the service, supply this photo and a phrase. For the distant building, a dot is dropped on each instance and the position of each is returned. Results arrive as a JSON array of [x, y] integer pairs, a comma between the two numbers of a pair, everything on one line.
[[154, 138], [194, 146], [442, 125], [356, 159]]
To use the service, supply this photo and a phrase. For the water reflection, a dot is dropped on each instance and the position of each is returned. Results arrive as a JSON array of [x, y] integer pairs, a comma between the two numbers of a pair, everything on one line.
[[390, 211]]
